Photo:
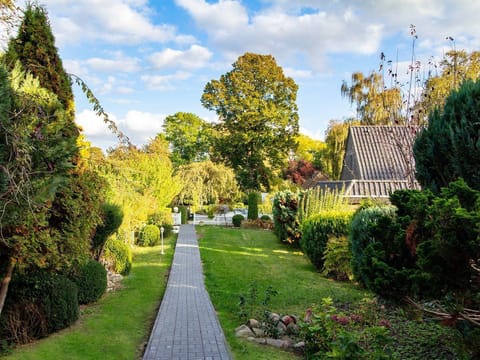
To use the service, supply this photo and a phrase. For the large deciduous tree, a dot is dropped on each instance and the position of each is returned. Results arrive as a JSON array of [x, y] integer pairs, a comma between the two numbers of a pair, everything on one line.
[[449, 147], [258, 119], [189, 137]]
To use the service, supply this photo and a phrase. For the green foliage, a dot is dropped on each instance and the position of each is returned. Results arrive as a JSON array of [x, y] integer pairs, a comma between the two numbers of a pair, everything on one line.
[[317, 229], [118, 255], [265, 217], [336, 140], [337, 259], [333, 334], [206, 183], [183, 214], [255, 103], [112, 219], [316, 200], [251, 306], [35, 48], [149, 236], [189, 137], [447, 148], [91, 280], [285, 216], [45, 301], [253, 199], [237, 220], [363, 237], [424, 249]]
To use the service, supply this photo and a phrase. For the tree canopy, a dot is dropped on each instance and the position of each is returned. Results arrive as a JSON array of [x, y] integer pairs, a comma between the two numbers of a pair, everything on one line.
[[258, 120], [189, 137]]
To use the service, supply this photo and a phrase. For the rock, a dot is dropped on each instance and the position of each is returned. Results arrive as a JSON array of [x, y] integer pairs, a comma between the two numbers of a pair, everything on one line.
[[278, 343], [243, 331], [299, 346], [292, 329], [281, 328], [258, 332], [114, 281], [287, 319], [273, 317], [253, 323]]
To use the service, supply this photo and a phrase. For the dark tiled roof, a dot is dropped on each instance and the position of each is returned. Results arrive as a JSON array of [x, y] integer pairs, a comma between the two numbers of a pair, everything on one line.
[[383, 152], [357, 189]]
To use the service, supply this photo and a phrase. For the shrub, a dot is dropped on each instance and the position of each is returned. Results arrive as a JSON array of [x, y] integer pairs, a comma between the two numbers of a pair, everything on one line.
[[337, 259], [285, 217], [317, 229], [118, 256], [183, 214], [257, 224], [317, 200], [167, 230], [253, 199], [237, 220], [112, 219], [91, 280], [265, 218], [38, 303], [149, 236]]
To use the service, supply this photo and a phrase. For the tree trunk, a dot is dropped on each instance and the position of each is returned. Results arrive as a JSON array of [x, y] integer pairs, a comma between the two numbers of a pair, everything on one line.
[[6, 282]]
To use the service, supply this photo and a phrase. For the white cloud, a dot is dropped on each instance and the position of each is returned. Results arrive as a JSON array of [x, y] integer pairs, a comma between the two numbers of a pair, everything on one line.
[[297, 73], [137, 125], [164, 82], [112, 21], [193, 58], [120, 64]]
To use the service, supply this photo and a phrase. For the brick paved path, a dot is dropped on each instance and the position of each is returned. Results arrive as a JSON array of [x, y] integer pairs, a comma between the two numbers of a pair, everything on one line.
[[187, 326]]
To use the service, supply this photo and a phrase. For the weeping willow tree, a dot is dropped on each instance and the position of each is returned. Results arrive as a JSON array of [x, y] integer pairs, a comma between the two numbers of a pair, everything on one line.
[[206, 183]]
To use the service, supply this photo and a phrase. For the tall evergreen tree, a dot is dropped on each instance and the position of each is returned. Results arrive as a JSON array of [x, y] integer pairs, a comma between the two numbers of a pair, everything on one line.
[[35, 48]]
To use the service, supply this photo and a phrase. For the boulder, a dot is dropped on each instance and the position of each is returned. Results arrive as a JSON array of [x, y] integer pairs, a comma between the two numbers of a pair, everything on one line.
[[244, 331]]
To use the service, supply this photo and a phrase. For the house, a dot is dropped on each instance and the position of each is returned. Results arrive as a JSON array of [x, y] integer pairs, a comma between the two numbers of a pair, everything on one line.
[[378, 160]]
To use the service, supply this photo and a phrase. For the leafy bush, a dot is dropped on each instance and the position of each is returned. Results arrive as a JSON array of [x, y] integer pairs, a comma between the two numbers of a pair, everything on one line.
[[38, 303], [253, 199], [118, 255], [149, 236], [425, 249], [112, 219], [331, 333], [317, 229], [337, 259], [237, 220], [91, 280], [265, 218], [285, 217]]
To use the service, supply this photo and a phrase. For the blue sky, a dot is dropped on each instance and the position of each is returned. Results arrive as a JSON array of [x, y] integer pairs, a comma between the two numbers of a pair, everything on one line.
[[149, 59]]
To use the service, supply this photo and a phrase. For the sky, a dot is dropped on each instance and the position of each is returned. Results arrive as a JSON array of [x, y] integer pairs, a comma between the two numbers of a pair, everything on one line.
[[145, 60]]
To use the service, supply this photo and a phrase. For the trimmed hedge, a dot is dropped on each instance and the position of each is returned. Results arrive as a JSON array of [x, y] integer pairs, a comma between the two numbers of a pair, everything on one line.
[[317, 229], [91, 279], [149, 236], [47, 302], [118, 256], [253, 200], [237, 220]]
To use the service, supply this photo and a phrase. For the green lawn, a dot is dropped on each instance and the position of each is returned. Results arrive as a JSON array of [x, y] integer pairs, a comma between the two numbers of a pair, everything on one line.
[[116, 327], [233, 259]]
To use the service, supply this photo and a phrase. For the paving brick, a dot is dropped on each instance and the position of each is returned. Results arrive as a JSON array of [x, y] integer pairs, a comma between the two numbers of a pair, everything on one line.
[[186, 326]]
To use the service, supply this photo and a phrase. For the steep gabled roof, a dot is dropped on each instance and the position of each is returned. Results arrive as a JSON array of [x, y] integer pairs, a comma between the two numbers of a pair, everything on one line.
[[379, 153]]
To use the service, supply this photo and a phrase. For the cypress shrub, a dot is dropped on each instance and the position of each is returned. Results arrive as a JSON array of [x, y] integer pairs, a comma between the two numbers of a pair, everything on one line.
[[118, 256], [112, 219], [149, 236], [337, 259], [253, 200], [91, 279], [317, 229]]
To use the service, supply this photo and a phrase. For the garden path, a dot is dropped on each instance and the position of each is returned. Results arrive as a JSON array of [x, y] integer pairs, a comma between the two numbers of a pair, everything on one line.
[[186, 327]]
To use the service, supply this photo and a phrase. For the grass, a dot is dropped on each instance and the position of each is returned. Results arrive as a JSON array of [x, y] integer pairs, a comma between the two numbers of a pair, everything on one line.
[[118, 325], [233, 259]]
